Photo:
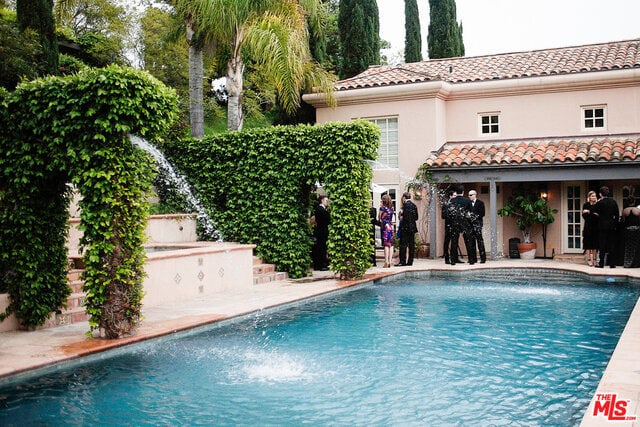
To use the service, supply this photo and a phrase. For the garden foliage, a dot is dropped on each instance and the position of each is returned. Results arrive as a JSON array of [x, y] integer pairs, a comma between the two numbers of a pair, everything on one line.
[[256, 184], [74, 130]]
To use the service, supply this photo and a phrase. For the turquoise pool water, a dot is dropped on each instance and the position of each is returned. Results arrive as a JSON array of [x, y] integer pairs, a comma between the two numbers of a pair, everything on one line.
[[413, 352]]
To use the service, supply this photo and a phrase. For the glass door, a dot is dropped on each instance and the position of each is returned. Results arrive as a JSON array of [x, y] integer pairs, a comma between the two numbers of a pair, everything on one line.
[[572, 217]]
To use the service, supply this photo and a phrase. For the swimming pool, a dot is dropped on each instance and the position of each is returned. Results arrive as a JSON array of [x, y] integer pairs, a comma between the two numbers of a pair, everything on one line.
[[436, 352]]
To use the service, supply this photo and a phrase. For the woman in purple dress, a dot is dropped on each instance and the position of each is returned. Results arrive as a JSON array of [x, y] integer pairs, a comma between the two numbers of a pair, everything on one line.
[[386, 229]]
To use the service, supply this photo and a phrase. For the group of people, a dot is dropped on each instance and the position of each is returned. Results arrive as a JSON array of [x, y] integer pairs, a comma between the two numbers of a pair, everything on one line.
[[605, 231], [407, 229], [602, 230], [406, 232], [463, 216]]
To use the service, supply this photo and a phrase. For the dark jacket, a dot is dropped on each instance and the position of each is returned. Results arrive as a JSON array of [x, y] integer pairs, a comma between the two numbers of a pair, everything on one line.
[[321, 230], [461, 213], [409, 217], [608, 214], [477, 210]]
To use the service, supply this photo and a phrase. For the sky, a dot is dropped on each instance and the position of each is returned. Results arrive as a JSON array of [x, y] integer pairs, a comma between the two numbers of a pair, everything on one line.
[[501, 26]]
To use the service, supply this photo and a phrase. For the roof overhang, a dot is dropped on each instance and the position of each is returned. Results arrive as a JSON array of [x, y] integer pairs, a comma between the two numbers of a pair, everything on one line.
[[480, 89], [566, 172]]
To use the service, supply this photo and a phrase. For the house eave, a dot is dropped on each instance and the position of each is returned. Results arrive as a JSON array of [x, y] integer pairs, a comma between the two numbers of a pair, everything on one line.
[[590, 80], [538, 172]]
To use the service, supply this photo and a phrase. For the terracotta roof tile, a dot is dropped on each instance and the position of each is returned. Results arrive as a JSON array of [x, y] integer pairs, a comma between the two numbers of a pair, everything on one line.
[[593, 150], [577, 59]]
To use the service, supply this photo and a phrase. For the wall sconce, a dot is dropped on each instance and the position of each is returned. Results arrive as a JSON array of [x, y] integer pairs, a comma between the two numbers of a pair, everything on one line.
[[543, 191]]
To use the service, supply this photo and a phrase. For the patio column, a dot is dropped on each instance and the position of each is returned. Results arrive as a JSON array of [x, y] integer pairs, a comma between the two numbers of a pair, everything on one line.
[[433, 240], [494, 217]]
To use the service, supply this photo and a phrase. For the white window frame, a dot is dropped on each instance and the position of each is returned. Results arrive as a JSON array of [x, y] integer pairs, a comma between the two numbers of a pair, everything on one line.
[[585, 109], [387, 159], [490, 115], [564, 212]]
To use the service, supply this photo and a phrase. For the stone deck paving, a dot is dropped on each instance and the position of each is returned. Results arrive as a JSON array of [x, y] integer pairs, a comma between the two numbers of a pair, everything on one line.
[[24, 352]]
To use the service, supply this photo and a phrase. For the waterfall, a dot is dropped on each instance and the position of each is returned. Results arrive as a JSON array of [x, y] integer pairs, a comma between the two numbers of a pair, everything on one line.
[[178, 181]]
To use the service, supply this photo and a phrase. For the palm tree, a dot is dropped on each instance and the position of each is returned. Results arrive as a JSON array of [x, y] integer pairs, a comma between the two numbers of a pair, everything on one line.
[[273, 33]]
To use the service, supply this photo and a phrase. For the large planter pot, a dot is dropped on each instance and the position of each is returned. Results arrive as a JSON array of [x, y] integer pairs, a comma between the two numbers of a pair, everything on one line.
[[423, 251], [527, 250]]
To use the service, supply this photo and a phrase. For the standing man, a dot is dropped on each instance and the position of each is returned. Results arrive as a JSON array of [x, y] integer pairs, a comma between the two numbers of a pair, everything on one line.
[[448, 217], [321, 233], [408, 230], [608, 214], [462, 224], [373, 218], [477, 217]]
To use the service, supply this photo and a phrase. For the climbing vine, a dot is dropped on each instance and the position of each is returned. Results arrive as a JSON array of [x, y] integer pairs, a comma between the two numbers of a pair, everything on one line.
[[74, 130], [256, 184]]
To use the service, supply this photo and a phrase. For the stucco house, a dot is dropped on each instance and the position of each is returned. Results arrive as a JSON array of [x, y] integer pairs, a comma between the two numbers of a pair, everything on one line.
[[564, 119]]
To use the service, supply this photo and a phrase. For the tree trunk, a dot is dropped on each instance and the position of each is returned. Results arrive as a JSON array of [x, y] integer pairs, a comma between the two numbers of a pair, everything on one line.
[[196, 109], [235, 69]]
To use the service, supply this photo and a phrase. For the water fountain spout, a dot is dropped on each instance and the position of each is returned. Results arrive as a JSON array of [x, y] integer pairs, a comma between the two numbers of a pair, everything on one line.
[[178, 181]]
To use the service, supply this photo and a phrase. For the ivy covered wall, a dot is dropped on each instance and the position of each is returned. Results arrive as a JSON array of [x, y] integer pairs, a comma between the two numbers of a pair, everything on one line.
[[55, 131], [75, 130], [256, 184]]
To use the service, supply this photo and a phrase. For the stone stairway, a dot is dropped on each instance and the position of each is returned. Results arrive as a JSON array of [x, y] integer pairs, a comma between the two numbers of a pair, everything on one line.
[[266, 273], [75, 311], [573, 258]]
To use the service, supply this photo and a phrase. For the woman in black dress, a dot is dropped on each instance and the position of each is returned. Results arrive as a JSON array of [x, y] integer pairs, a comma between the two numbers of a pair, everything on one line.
[[631, 221], [590, 230]]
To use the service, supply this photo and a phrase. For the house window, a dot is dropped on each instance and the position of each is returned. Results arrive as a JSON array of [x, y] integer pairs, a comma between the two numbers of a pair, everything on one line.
[[489, 124], [388, 151], [593, 117]]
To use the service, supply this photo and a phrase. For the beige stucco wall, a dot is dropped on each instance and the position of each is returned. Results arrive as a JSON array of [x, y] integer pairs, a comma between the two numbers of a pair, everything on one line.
[[544, 115], [433, 113]]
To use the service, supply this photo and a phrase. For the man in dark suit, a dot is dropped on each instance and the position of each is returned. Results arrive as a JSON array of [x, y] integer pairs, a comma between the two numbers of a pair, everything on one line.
[[461, 223], [477, 217], [408, 230], [448, 216], [373, 218], [321, 234], [608, 214]]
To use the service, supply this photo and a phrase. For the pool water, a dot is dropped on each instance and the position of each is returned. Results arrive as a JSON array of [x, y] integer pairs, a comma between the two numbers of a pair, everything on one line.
[[425, 352]]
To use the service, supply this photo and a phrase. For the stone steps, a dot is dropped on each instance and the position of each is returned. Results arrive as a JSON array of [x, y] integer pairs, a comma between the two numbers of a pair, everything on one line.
[[75, 312], [266, 273], [573, 258]]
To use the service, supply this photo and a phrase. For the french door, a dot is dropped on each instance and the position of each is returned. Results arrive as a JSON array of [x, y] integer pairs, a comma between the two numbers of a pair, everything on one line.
[[573, 196]]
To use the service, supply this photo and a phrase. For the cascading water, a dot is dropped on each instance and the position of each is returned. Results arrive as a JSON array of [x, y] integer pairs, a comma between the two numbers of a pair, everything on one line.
[[178, 181]]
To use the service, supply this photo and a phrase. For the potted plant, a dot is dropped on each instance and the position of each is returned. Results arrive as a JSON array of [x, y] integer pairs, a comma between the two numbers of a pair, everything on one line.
[[422, 186], [529, 210]]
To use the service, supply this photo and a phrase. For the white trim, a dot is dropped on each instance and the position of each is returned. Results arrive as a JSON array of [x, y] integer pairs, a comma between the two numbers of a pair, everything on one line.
[[563, 211], [584, 108], [490, 115]]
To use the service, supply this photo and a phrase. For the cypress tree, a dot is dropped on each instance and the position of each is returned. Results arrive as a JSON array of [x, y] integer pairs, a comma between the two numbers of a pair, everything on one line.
[[412, 38], [359, 28], [445, 34], [38, 15]]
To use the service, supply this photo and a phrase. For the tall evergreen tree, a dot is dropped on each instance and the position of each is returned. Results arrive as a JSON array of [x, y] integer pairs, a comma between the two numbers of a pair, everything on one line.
[[445, 34], [412, 38], [359, 27], [38, 16]]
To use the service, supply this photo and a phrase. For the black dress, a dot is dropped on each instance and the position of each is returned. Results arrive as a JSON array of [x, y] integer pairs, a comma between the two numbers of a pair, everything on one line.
[[631, 241], [590, 230]]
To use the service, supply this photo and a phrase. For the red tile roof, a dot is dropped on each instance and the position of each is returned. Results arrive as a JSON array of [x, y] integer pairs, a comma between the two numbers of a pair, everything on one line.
[[577, 59], [579, 150]]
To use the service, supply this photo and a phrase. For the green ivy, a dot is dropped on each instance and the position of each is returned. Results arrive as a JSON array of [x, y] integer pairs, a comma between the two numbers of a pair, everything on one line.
[[74, 130], [256, 186]]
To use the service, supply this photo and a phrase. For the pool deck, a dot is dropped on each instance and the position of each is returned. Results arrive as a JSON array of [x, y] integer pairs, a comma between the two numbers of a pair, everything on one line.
[[24, 352]]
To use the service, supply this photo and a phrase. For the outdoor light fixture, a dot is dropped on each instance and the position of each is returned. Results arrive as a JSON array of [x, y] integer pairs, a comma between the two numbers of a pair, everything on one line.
[[543, 191]]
